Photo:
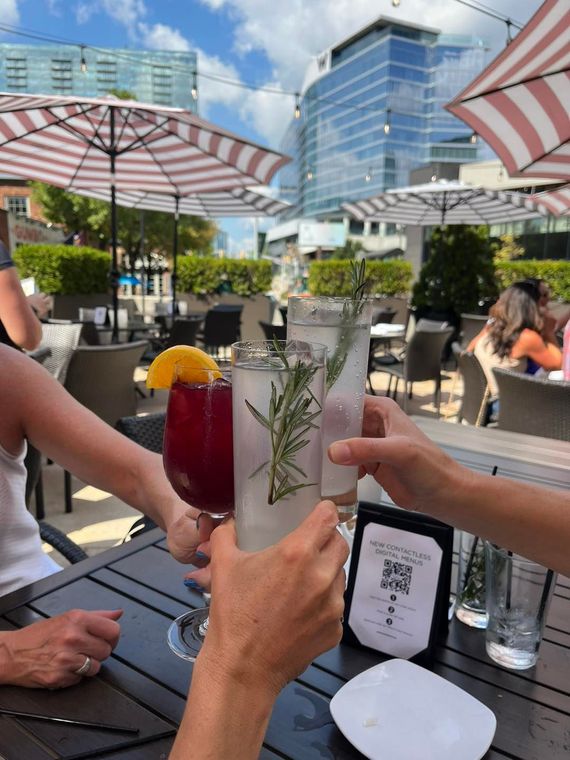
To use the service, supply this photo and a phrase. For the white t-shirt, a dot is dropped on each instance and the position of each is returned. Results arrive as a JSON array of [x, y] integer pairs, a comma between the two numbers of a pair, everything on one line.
[[22, 560]]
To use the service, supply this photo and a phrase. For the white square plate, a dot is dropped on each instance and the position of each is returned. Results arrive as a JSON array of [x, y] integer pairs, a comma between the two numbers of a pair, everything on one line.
[[398, 711]]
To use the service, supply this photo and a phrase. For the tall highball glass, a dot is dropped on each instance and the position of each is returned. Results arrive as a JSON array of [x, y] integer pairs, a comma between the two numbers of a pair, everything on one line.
[[278, 390], [343, 326]]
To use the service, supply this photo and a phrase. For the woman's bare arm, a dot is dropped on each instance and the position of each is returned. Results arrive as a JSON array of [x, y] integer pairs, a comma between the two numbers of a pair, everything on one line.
[[16, 314]]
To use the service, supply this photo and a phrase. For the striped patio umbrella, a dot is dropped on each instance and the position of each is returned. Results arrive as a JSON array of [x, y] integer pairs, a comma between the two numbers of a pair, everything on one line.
[[110, 144], [240, 201], [520, 104], [556, 201], [445, 202]]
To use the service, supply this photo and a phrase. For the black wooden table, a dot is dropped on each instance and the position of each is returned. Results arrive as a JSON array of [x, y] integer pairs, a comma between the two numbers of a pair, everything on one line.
[[143, 685]]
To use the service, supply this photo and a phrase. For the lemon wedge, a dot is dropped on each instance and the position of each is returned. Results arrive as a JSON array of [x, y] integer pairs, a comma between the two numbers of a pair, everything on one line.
[[201, 368]]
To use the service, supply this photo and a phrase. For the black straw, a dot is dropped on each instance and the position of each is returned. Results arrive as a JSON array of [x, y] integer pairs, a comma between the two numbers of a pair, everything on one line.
[[69, 721], [471, 559], [545, 593]]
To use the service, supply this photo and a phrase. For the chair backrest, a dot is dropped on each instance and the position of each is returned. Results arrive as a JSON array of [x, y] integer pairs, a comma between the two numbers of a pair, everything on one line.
[[147, 431], [533, 405], [90, 334], [101, 378], [475, 392], [221, 328], [431, 325], [62, 339], [471, 325], [183, 331], [424, 354], [277, 332]]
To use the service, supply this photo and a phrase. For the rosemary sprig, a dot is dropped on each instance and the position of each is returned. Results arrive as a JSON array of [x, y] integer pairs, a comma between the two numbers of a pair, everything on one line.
[[288, 421], [351, 310]]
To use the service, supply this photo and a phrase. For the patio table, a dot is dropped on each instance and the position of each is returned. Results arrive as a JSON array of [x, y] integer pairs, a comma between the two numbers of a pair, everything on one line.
[[144, 685]]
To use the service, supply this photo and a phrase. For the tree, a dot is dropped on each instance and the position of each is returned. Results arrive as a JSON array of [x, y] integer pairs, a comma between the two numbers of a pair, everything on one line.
[[507, 248], [350, 250], [458, 273], [77, 213]]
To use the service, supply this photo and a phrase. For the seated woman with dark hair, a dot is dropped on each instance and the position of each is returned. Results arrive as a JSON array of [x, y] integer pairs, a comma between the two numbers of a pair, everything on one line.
[[516, 337]]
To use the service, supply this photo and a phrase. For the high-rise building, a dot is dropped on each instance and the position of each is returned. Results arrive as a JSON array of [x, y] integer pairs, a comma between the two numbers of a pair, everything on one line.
[[160, 77], [371, 110]]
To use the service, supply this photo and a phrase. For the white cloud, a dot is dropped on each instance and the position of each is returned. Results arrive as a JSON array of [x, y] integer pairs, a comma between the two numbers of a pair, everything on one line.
[[162, 37], [84, 11], [9, 13], [54, 7], [126, 12]]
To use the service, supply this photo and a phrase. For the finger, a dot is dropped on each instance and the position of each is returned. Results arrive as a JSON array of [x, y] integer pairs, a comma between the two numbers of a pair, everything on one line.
[[103, 627], [397, 450], [111, 614], [202, 577], [201, 557], [224, 540], [97, 648], [205, 524], [79, 661], [335, 552], [318, 527]]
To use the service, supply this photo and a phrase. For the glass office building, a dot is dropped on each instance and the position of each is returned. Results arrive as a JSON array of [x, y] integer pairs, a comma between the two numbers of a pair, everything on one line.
[[371, 110], [160, 77]]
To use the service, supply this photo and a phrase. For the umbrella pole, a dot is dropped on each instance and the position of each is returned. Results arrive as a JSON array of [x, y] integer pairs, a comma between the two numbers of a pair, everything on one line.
[[175, 254], [114, 267], [141, 254]]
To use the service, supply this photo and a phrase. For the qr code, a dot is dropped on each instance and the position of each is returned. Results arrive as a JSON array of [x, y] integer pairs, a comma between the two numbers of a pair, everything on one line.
[[396, 576]]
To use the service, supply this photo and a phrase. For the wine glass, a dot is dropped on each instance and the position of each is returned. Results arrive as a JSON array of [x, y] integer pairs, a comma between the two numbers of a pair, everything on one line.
[[198, 461]]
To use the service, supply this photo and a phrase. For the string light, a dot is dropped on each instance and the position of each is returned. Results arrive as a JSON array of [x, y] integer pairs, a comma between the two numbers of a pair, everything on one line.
[[83, 62], [473, 138], [433, 178], [395, 3], [297, 106], [368, 176], [309, 174], [194, 90], [387, 123]]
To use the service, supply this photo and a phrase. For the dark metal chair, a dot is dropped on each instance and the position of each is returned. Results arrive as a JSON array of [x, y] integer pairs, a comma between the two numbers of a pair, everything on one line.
[[222, 327], [476, 395], [148, 432], [533, 405], [421, 362], [383, 316], [273, 332]]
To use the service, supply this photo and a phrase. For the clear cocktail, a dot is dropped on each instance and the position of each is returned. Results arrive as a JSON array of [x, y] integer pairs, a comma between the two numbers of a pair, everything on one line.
[[343, 326], [277, 409]]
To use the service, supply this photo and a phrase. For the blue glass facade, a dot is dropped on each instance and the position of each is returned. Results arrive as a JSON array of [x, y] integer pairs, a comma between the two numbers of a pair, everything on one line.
[[376, 113], [160, 77]]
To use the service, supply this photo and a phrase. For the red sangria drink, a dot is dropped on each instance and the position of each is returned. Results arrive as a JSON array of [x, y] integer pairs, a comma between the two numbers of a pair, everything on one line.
[[198, 447]]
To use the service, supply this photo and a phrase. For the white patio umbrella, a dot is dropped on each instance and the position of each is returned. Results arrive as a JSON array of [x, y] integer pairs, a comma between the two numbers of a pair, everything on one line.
[[520, 104], [110, 144], [556, 201], [445, 202], [238, 202]]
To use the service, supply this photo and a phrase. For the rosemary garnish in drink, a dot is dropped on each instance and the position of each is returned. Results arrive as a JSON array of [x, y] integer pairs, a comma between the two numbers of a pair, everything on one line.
[[351, 310], [289, 419]]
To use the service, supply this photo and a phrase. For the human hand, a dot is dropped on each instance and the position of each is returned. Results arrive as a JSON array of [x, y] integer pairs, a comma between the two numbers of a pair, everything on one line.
[[274, 611], [415, 472], [40, 303], [46, 654], [189, 542]]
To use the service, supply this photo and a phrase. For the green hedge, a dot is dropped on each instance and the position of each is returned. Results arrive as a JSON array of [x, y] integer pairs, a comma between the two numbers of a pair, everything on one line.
[[64, 269], [556, 274], [387, 278], [204, 276]]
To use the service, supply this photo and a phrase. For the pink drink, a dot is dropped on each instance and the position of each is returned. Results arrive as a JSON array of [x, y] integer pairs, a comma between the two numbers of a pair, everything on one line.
[[198, 447]]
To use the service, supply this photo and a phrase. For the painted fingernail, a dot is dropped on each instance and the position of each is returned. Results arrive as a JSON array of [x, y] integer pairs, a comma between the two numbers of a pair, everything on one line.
[[193, 585], [339, 453], [201, 555]]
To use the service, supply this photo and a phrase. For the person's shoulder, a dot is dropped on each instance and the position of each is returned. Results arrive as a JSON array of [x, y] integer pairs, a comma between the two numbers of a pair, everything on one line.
[[530, 339]]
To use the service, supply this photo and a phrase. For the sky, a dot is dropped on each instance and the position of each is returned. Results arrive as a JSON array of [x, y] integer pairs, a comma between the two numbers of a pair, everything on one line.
[[258, 42]]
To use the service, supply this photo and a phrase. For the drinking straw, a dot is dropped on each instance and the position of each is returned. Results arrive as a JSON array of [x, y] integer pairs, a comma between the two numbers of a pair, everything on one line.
[[545, 593], [471, 559], [70, 721], [509, 580]]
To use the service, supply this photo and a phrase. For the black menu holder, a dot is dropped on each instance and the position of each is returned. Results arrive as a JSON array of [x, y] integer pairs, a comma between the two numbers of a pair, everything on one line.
[[397, 596]]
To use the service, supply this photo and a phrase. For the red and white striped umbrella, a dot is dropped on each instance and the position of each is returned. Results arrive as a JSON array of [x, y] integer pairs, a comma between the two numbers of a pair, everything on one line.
[[237, 202], [110, 144], [556, 201], [520, 104]]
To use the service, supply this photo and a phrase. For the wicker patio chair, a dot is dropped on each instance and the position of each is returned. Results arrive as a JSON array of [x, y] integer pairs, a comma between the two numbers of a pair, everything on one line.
[[533, 405], [62, 338], [476, 396], [471, 325], [222, 327], [148, 432], [421, 362], [101, 378]]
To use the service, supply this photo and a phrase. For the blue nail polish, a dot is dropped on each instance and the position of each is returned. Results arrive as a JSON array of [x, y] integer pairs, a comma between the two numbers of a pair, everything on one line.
[[193, 585], [201, 555]]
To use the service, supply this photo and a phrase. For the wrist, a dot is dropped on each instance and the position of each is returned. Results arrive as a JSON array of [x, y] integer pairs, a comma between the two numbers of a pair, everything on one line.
[[235, 672], [6, 658]]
